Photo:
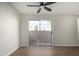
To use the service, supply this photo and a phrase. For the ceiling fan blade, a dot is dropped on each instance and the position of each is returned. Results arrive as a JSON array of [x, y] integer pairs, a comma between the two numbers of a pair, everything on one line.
[[39, 10], [48, 9], [33, 5], [49, 3]]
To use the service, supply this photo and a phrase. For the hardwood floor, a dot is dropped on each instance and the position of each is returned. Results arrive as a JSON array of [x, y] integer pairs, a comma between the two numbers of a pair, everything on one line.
[[54, 51]]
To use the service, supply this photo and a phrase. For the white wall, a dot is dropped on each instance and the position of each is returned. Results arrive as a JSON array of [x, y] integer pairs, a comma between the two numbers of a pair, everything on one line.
[[78, 28], [9, 29], [64, 29]]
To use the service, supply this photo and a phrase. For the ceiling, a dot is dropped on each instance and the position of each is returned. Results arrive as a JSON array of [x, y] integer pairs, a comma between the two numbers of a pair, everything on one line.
[[59, 8]]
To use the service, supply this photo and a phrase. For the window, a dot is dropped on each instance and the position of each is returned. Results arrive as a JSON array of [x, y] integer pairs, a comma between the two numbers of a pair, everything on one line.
[[42, 25], [45, 25], [33, 25]]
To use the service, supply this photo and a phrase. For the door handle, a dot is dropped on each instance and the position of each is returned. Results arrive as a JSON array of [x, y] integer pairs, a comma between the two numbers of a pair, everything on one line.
[[51, 32]]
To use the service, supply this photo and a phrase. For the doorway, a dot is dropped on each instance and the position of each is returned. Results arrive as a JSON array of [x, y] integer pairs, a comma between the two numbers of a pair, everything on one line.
[[40, 33]]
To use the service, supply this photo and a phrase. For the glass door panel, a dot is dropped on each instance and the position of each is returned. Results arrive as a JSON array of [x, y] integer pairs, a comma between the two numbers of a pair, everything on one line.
[[40, 33], [45, 33], [34, 33]]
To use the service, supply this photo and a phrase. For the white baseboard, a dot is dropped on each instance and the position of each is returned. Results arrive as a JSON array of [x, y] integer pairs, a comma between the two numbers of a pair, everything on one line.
[[65, 45], [12, 51]]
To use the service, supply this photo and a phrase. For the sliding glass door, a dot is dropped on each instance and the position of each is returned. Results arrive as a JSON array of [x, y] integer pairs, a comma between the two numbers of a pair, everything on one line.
[[40, 33]]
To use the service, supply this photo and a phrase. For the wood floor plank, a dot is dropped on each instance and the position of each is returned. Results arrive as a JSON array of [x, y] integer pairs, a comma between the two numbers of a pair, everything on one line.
[[54, 51]]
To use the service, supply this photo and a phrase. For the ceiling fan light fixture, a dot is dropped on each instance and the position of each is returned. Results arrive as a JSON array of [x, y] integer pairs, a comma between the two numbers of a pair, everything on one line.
[[42, 4]]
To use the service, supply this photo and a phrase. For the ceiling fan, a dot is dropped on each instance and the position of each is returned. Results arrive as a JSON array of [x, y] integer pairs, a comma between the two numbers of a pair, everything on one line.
[[44, 4]]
